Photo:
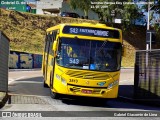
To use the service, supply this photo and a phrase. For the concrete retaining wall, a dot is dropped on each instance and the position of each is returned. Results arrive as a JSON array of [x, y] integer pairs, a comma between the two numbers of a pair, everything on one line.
[[23, 60]]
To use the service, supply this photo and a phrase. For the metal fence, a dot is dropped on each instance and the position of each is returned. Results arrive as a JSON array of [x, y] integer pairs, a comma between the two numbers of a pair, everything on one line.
[[4, 55], [147, 75]]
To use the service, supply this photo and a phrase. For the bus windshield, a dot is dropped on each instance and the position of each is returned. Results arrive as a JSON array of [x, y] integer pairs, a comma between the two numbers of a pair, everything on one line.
[[89, 54]]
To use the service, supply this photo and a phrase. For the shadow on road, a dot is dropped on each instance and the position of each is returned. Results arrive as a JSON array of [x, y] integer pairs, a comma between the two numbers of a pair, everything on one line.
[[29, 86], [126, 91], [84, 101], [114, 103]]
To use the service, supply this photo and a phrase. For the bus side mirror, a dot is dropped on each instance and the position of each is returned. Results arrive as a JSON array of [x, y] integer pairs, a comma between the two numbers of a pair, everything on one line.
[[124, 51], [55, 48]]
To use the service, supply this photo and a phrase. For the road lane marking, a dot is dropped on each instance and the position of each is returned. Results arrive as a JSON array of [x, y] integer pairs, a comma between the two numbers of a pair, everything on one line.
[[123, 80], [11, 79]]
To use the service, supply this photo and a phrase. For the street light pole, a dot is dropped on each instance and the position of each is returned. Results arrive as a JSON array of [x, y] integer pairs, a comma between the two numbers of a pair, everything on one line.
[[148, 14], [147, 45]]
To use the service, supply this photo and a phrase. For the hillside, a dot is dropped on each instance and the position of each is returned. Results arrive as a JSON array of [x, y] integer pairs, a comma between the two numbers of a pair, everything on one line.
[[26, 32]]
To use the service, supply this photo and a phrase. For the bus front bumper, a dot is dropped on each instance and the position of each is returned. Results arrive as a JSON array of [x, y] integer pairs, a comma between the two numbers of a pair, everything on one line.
[[99, 92]]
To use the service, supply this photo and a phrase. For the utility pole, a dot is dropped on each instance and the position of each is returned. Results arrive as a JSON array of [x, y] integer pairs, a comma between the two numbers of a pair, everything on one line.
[[148, 21], [150, 33], [147, 44]]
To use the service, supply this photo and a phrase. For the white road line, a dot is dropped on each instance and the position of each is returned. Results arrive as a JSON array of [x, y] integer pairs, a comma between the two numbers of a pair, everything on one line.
[[11, 79], [123, 80]]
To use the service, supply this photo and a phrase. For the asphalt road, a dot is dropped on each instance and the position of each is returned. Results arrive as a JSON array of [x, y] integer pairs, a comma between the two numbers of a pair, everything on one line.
[[27, 94]]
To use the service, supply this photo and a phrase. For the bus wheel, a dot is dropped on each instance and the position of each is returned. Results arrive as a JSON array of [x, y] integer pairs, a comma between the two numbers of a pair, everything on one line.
[[54, 95], [45, 85]]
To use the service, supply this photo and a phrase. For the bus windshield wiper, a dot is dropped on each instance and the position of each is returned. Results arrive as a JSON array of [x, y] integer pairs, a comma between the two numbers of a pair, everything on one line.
[[102, 46]]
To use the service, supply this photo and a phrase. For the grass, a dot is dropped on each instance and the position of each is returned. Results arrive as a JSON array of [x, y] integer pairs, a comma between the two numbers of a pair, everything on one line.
[[27, 31]]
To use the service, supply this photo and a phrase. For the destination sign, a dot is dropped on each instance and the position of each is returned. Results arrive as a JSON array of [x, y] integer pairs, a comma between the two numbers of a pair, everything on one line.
[[88, 31]]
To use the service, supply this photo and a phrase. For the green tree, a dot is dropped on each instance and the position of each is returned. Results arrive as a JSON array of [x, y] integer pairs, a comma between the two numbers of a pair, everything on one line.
[[154, 10], [130, 13], [81, 4], [127, 12]]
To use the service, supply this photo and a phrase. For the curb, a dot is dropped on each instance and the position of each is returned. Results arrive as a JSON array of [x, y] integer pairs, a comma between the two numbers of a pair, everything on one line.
[[12, 70], [148, 102], [127, 67], [4, 100]]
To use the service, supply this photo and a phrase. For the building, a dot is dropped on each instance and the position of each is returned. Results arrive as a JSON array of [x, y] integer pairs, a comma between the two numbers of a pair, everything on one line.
[[48, 6], [59, 6]]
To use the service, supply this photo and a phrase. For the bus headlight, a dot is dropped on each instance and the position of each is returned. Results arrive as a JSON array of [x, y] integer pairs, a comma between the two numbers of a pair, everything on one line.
[[112, 84], [58, 77], [63, 81]]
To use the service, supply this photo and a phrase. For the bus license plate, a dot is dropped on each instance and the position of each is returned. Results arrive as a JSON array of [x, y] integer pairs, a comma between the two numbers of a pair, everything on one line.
[[86, 91]]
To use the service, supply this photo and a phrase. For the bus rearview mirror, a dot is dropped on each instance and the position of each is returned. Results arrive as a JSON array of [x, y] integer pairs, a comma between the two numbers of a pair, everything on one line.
[[55, 47]]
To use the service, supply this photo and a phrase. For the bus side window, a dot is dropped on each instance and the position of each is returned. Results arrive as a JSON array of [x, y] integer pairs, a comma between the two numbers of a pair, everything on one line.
[[51, 39], [54, 34], [47, 45]]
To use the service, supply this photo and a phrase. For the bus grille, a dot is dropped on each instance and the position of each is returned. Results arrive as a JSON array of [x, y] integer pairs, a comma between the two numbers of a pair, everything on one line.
[[88, 75]]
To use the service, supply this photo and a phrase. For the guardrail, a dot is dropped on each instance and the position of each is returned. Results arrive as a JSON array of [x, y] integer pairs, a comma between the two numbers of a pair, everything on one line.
[[147, 75]]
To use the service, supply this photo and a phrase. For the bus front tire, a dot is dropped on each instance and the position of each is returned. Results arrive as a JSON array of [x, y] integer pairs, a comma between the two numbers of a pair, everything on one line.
[[54, 95]]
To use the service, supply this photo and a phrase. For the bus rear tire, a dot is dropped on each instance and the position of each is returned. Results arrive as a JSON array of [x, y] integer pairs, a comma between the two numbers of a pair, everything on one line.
[[54, 95], [45, 85]]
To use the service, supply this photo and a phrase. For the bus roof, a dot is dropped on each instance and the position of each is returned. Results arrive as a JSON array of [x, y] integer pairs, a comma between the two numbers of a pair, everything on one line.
[[97, 25]]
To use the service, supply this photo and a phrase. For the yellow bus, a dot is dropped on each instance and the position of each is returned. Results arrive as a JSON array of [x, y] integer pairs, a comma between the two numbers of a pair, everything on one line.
[[82, 60]]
